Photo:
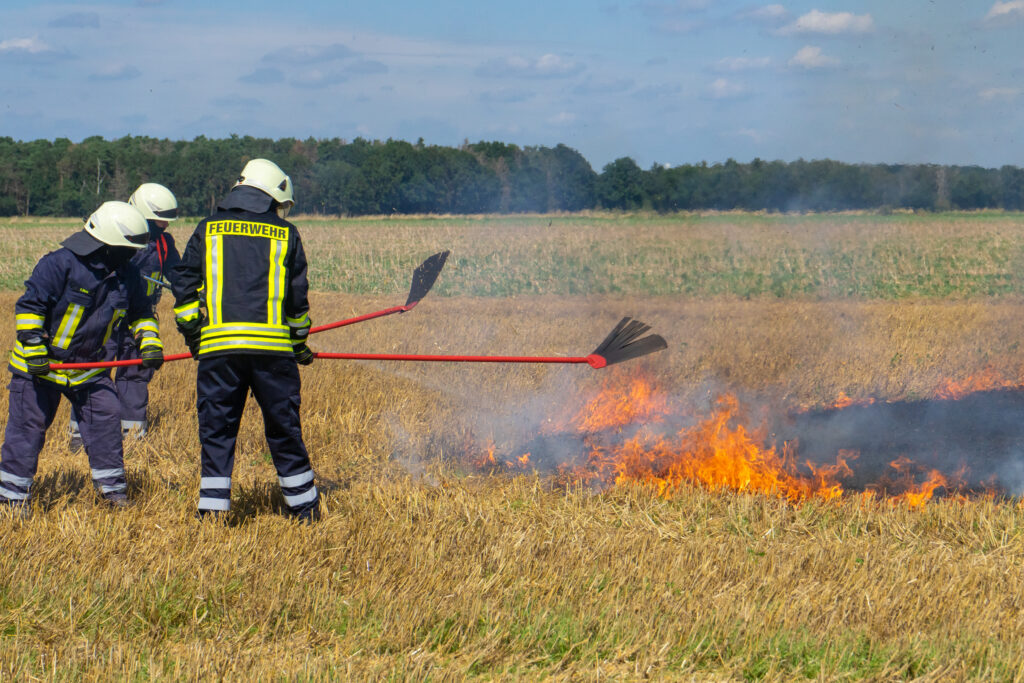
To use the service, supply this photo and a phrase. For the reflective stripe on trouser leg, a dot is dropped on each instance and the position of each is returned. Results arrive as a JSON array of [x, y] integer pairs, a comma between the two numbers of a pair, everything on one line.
[[99, 420], [298, 489], [277, 388], [138, 426], [110, 480], [13, 487], [215, 493], [32, 405], [221, 390]]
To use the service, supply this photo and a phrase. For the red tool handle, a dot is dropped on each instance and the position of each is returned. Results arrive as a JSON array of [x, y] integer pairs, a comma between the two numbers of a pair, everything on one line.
[[361, 318], [182, 356], [593, 360]]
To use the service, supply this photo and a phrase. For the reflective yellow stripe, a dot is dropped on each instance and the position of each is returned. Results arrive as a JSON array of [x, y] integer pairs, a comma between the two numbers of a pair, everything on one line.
[[301, 321], [28, 321], [245, 330], [68, 325], [275, 290], [26, 351], [145, 325], [118, 314], [151, 286], [245, 337], [187, 311], [245, 344], [214, 263], [62, 377], [151, 342]]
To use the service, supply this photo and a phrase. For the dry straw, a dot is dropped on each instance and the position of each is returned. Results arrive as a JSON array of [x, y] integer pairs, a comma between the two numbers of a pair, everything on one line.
[[424, 569]]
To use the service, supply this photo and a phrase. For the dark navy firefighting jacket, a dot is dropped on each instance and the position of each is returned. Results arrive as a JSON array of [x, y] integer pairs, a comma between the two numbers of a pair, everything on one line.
[[246, 266], [74, 304], [156, 260]]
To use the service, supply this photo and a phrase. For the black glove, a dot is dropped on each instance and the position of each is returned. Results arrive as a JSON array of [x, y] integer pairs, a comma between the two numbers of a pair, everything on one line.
[[37, 356], [303, 356], [192, 331], [152, 357]]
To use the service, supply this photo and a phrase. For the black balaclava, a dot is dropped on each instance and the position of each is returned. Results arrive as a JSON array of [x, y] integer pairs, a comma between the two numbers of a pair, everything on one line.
[[116, 258]]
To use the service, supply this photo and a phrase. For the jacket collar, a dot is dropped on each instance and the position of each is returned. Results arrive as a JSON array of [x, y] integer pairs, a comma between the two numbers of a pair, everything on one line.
[[247, 199]]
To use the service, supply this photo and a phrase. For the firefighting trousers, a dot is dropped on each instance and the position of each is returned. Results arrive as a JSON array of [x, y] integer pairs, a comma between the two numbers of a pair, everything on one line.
[[222, 385], [132, 383], [33, 405]]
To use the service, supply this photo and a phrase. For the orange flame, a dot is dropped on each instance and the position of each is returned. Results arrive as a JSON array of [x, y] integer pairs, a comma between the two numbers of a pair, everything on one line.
[[617, 405], [986, 380], [716, 452]]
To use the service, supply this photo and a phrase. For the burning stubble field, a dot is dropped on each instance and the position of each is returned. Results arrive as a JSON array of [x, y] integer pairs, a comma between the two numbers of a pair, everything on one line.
[[817, 479]]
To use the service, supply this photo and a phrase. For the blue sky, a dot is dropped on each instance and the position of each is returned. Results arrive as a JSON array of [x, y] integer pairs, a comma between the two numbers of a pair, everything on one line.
[[662, 81]]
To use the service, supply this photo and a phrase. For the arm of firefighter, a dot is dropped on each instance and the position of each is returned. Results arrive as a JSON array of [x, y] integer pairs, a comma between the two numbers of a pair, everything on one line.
[[42, 290], [296, 302], [171, 260], [186, 278], [145, 330]]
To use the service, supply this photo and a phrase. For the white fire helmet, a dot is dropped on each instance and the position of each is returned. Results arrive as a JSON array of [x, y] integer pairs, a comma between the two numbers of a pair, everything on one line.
[[118, 224], [155, 202], [265, 175]]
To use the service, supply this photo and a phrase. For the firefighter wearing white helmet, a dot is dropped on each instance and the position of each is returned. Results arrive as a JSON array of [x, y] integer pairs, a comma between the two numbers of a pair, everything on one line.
[[252, 334], [153, 264], [268, 177], [155, 202], [75, 301]]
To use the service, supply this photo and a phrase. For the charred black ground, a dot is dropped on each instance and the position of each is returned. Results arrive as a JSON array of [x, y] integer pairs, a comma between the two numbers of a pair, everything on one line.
[[982, 432], [975, 442]]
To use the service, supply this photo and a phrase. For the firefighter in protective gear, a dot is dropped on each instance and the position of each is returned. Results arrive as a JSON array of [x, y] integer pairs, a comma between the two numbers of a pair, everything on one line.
[[152, 264], [240, 302], [75, 301]]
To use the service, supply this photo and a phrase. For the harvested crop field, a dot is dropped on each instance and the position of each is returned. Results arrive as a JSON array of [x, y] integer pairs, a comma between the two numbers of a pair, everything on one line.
[[445, 555]]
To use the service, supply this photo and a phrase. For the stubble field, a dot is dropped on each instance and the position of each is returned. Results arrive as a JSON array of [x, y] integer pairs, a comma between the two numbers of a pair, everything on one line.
[[428, 566]]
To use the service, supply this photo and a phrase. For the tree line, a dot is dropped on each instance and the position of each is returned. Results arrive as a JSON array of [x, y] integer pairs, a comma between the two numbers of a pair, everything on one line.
[[360, 177]]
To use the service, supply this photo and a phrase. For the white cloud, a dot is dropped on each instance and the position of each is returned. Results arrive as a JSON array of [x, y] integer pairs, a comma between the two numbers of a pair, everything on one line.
[[766, 14], [30, 51], [742, 63], [1008, 10], [811, 57], [30, 45], [545, 66], [722, 89], [116, 72], [562, 118], [832, 23], [990, 94]]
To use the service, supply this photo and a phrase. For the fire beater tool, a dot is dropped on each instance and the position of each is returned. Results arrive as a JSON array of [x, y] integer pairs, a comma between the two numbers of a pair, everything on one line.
[[158, 283], [423, 278], [622, 344]]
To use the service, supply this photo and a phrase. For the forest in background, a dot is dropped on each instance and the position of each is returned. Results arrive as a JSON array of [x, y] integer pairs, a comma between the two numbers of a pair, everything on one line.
[[363, 177]]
